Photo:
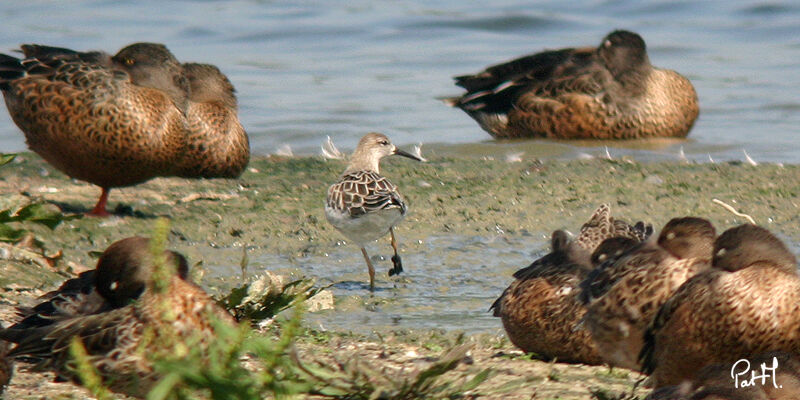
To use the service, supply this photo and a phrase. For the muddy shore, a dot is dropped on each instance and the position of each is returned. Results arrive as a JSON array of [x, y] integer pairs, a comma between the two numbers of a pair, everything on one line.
[[276, 208]]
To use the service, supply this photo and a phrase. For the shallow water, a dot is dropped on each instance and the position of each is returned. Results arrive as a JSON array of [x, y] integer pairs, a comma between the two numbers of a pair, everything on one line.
[[448, 282], [305, 70]]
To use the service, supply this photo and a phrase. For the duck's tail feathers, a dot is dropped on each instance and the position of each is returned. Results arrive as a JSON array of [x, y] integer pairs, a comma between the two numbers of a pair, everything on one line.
[[11, 68]]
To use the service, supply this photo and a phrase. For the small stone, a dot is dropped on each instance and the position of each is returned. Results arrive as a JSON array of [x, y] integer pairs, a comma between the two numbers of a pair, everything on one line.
[[320, 301]]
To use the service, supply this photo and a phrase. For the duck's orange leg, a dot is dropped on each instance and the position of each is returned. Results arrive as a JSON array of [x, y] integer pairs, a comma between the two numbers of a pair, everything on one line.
[[99, 209]]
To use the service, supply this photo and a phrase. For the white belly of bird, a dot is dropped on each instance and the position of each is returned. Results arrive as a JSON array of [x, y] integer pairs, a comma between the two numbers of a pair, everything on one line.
[[365, 228]]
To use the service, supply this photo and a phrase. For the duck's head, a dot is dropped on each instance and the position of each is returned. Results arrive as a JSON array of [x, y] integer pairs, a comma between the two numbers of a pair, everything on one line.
[[612, 249], [624, 52], [152, 65], [208, 84], [126, 268], [745, 245], [688, 237]]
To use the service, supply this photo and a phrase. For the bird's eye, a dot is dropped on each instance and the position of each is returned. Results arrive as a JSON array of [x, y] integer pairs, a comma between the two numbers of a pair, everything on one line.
[[384, 142], [130, 61]]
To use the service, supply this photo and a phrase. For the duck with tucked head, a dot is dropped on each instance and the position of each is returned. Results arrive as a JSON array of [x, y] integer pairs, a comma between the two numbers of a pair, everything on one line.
[[120, 120], [747, 304], [143, 320], [113, 121], [119, 278], [625, 295], [608, 92], [541, 309]]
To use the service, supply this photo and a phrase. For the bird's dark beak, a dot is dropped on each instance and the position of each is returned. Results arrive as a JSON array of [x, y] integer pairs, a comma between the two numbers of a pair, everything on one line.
[[405, 154]]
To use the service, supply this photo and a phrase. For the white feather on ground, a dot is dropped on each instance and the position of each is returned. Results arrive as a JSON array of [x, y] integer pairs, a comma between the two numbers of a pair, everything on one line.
[[330, 151], [748, 159], [284, 150], [608, 154], [682, 155]]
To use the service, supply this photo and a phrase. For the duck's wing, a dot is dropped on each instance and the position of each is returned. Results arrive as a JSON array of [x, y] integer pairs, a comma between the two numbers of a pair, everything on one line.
[[50, 53], [35, 79], [601, 226], [544, 272], [600, 280], [73, 298], [545, 74], [50, 344], [687, 298], [539, 64]]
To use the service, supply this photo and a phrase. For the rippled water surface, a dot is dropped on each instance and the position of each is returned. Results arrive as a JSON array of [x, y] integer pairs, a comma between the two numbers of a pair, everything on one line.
[[305, 70], [449, 281]]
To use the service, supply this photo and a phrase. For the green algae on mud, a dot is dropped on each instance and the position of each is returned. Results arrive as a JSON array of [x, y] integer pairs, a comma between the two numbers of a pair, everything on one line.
[[277, 205]]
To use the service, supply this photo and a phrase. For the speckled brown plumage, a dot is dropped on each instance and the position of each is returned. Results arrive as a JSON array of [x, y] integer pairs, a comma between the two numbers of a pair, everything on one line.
[[603, 257], [540, 310], [608, 92], [610, 250], [116, 340], [115, 122], [626, 295], [121, 274], [748, 303], [601, 226], [217, 145], [715, 381]]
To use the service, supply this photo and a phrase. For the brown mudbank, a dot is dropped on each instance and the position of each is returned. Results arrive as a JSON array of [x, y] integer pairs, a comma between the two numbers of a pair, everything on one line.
[[275, 208]]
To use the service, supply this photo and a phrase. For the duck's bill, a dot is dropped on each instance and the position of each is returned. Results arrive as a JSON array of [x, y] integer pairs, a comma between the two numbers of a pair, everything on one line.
[[409, 155]]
